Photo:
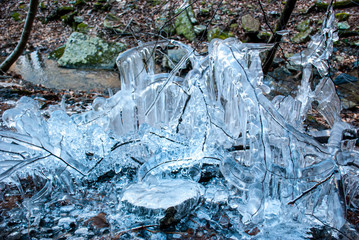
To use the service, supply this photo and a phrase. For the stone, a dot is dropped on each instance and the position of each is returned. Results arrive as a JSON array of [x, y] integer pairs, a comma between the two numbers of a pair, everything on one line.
[[57, 53], [16, 16], [82, 28], [343, 25], [281, 73], [83, 51], [113, 22], [250, 24], [167, 200], [164, 26], [184, 23], [199, 29], [59, 12], [344, 78], [303, 25], [218, 33], [302, 37], [264, 36], [342, 16], [173, 57]]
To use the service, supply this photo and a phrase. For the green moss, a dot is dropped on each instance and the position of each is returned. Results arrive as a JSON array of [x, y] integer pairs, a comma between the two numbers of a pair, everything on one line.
[[57, 53], [16, 16], [342, 16], [78, 3], [184, 25], [302, 37], [337, 4], [82, 28], [218, 33], [233, 26], [43, 6], [303, 25], [154, 2], [264, 36], [83, 51]]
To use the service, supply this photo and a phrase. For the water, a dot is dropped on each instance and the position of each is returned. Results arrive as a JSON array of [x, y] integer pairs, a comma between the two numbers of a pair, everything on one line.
[[38, 69], [206, 150]]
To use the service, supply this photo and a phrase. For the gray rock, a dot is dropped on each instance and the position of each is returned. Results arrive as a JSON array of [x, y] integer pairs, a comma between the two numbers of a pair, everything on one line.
[[343, 25], [250, 24], [167, 200], [173, 57], [302, 37], [184, 23], [83, 51], [281, 73], [344, 78], [303, 25], [199, 29]]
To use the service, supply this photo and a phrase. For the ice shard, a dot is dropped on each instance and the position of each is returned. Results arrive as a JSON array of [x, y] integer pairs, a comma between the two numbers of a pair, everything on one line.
[[205, 128]]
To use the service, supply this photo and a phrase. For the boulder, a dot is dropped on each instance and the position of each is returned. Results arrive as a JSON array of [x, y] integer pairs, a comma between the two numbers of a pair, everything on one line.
[[184, 23], [83, 51], [250, 24]]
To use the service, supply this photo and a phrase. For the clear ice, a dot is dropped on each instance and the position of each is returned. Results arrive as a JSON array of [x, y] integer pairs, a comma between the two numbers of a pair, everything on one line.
[[173, 128]]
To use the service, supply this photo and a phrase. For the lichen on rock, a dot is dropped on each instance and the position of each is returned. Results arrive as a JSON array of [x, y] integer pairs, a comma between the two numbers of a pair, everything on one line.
[[83, 51], [184, 23]]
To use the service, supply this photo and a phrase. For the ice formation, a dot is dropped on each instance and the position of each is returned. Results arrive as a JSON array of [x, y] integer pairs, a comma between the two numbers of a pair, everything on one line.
[[202, 142]]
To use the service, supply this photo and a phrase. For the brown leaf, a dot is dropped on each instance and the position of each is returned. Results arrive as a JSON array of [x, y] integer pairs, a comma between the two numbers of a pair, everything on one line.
[[98, 221]]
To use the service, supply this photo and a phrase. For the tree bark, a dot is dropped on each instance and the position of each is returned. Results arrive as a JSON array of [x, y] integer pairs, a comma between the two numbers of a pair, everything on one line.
[[284, 18], [4, 67]]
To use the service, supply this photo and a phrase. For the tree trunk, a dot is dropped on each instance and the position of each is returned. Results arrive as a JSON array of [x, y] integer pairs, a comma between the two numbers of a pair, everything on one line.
[[287, 11], [4, 67]]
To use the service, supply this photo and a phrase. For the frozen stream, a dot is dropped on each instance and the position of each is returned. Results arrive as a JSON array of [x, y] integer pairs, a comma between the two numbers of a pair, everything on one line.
[[203, 154]]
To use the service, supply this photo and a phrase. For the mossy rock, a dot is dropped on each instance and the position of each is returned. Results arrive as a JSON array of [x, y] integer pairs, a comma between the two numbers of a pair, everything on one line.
[[82, 28], [342, 16], [199, 29], [83, 51], [112, 22], [337, 4], [264, 36], [43, 6], [16, 16], [218, 33], [250, 24], [69, 19], [303, 25], [102, 6], [302, 37], [184, 23], [59, 12], [79, 3], [57, 53]]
